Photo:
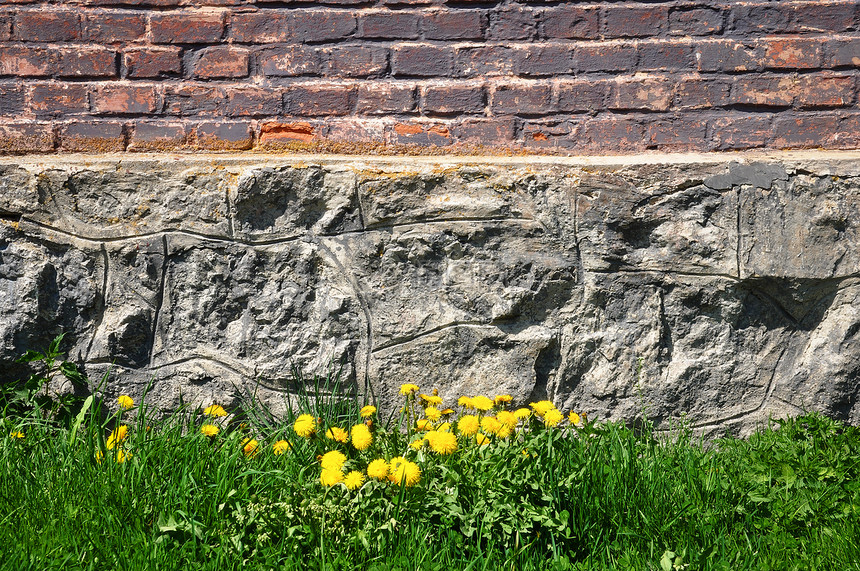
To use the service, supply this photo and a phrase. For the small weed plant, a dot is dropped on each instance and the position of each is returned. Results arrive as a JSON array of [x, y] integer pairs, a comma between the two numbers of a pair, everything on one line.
[[482, 483]]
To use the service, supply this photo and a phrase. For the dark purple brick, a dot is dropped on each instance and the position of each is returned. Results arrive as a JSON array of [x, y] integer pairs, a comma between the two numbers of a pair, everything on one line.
[[454, 25], [665, 55], [632, 21], [356, 61], [512, 23], [92, 137], [289, 61], [728, 55], [739, 133], [321, 25], [421, 60], [602, 56], [696, 21], [382, 98], [485, 60], [318, 100], [544, 59], [390, 25], [525, 98], [805, 131], [454, 99], [572, 22], [582, 96]]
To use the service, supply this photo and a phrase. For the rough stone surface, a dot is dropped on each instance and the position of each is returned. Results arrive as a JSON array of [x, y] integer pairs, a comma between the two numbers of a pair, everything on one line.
[[720, 288]]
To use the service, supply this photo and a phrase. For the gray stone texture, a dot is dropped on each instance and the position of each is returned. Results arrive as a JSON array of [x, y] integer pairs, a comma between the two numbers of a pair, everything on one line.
[[721, 288]]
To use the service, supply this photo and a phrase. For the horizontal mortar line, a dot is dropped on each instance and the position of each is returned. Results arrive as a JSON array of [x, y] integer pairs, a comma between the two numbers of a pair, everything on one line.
[[670, 272], [192, 358], [404, 340], [444, 221]]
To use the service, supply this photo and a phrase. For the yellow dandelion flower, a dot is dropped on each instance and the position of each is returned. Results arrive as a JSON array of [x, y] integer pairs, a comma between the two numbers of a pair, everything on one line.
[[361, 437], [210, 430], [99, 456], [353, 480], [552, 417], [333, 460], [507, 418], [431, 400], [122, 456], [468, 424], [447, 411], [522, 413], [367, 411], [482, 439], [490, 425], [417, 444], [281, 447], [250, 447], [502, 399], [574, 418], [423, 424], [465, 402], [482, 403], [117, 436], [214, 410], [542, 407], [330, 477], [407, 389], [505, 431], [442, 442], [16, 434], [404, 472], [444, 427], [337, 434], [432, 413], [125, 402], [378, 469], [305, 425]]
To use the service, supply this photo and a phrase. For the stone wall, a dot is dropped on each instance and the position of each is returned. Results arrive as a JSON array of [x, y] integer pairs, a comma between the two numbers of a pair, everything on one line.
[[721, 287]]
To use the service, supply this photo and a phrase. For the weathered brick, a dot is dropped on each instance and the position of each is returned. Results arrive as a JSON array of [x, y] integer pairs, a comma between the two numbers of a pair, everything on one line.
[[123, 98], [277, 133], [253, 101], [764, 91], [6, 19], [822, 17], [157, 136], [550, 134], [604, 56], [260, 27], [454, 25], [487, 132], [484, 60], [421, 60], [87, 62], [735, 133], [524, 98], [355, 130], [512, 23], [186, 27], [356, 61], [58, 99], [645, 94], [220, 62], [696, 21], [582, 96], [848, 135], [844, 52], [572, 22], [315, 99], [457, 99], [321, 25], [749, 18], [793, 53], [544, 59], [26, 137], [224, 135], [613, 134], [46, 26], [805, 131], [699, 93], [12, 99], [152, 62], [27, 61], [677, 133], [124, 26], [665, 55], [290, 61], [390, 25], [728, 55], [632, 21], [421, 134], [383, 98], [825, 91], [193, 100], [92, 137]]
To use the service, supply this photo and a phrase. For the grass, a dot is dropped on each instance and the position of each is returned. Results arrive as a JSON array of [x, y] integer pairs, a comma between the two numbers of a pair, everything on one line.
[[589, 495]]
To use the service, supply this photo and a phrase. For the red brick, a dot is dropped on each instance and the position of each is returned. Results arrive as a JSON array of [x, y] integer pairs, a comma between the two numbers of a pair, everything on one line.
[[290, 61], [152, 62], [186, 27], [582, 96], [739, 133], [570, 22], [114, 26], [259, 27], [92, 137], [253, 101], [26, 138], [613, 134], [390, 25], [604, 57], [454, 25], [356, 61], [822, 17], [314, 99], [809, 131], [677, 133], [123, 98], [844, 52], [321, 25], [46, 26], [157, 136], [512, 23], [525, 98], [825, 91], [27, 61], [485, 60], [12, 99], [546, 59], [87, 62], [662, 55], [550, 135], [421, 134], [421, 60], [696, 21], [764, 91], [224, 135], [627, 21], [728, 55], [275, 133], [487, 132], [641, 94], [698, 93], [220, 62], [383, 98], [193, 100], [456, 99], [793, 53], [58, 99]]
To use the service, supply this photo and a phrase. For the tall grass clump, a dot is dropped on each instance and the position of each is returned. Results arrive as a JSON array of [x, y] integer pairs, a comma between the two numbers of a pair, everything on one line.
[[477, 483]]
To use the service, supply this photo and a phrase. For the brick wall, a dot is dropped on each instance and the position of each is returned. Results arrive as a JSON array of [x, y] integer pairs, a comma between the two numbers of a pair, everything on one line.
[[570, 77]]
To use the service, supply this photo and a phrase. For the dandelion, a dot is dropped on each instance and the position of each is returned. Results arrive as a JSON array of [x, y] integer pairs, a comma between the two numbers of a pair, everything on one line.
[[482, 403], [305, 425], [329, 477], [404, 472], [116, 437], [367, 411], [407, 389], [507, 418], [281, 447], [505, 431], [214, 410], [542, 407], [423, 424], [333, 460], [378, 469], [442, 442], [573, 418], [432, 413], [122, 456], [502, 400], [522, 413], [417, 444], [447, 411], [552, 417], [16, 434], [361, 437], [125, 402], [99, 456], [249, 447], [431, 400], [353, 480], [468, 424], [337, 434], [444, 427], [210, 430], [482, 439], [465, 402], [490, 425]]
